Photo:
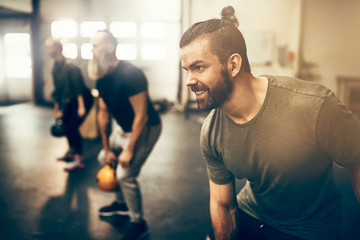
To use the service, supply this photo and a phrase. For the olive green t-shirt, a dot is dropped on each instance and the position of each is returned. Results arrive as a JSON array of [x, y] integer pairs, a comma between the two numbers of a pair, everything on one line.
[[286, 153]]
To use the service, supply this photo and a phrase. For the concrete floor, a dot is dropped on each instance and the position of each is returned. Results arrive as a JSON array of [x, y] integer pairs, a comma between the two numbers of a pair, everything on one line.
[[38, 200]]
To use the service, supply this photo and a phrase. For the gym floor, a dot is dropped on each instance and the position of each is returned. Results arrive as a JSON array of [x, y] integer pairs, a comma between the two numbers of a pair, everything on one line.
[[39, 200]]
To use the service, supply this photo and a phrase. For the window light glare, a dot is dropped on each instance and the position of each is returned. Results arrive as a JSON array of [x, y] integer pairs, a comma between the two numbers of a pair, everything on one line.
[[153, 52], [126, 51], [63, 29], [89, 28], [153, 30], [17, 43], [17, 55], [86, 52], [18, 67], [123, 29], [70, 50]]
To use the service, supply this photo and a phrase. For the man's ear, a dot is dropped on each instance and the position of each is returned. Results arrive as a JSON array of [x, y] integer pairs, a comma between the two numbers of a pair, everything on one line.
[[110, 48], [234, 64]]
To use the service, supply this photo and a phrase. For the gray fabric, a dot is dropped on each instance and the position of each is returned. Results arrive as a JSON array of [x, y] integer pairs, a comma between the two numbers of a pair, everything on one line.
[[286, 153], [129, 191]]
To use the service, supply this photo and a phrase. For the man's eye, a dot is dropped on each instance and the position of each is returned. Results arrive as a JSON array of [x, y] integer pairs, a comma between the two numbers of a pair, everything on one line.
[[199, 67]]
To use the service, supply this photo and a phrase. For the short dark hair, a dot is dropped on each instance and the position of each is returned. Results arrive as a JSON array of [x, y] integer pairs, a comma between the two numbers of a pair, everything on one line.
[[55, 42], [224, 35]]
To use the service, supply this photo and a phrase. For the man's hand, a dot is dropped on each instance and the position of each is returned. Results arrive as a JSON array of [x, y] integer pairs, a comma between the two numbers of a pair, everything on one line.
[[125, 158], [58, 114], [81, 111], [81, 106], [109, 157]]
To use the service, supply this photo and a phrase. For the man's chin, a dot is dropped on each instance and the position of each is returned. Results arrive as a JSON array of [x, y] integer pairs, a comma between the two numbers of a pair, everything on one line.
[[203, 106]]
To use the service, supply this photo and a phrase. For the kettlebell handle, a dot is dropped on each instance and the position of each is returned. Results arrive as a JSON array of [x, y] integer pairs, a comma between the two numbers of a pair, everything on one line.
[[58, 121]]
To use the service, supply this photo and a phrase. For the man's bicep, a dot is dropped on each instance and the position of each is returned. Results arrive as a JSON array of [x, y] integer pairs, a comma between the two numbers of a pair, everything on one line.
[[139, 103], [102, 104], [223, 194], [216, 170]]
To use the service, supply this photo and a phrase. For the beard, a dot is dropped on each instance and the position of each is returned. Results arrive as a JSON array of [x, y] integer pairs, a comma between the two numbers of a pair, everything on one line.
[[217, 95], [98, 67]]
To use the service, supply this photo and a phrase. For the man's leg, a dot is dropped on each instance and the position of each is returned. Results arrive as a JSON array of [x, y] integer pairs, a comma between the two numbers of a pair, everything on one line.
[[128, 176], [129, 185], [116, 141]]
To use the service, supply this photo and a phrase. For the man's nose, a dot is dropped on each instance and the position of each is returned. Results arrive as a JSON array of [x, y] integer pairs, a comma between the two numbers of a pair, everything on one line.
[[190, 80]]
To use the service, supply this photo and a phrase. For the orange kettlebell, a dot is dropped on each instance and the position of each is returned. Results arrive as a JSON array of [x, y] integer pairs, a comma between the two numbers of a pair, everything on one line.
[[106, 178]]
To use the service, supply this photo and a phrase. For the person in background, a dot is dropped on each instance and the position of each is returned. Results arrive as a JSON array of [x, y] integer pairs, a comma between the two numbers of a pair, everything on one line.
[[72, 102], [123, 96], [283, 135]]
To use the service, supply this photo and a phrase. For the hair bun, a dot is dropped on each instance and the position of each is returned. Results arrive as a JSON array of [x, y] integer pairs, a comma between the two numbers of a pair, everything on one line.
[[228, 14]]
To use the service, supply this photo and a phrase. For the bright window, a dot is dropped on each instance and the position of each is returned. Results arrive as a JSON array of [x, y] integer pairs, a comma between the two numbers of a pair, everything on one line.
[[63, 29], [70, 50], [86, 51], [123, 29], [153, 30], [89, 28], [17, 55], [126, 51], [153, 52]]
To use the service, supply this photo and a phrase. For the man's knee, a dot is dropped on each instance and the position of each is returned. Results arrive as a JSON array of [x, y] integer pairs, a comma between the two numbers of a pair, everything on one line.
[[127, 182], [101, 157]]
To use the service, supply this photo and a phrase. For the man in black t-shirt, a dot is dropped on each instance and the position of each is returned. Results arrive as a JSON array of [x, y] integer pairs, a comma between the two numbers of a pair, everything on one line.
[[72, 102], [123, 94]]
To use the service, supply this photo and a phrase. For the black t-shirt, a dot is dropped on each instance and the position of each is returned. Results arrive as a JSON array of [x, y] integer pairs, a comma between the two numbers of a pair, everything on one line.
[[116, 88], [68, 82]]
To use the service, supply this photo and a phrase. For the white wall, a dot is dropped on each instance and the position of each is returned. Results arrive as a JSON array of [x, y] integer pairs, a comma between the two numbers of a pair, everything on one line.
[[332, 38], [24, 6], [13, 88]]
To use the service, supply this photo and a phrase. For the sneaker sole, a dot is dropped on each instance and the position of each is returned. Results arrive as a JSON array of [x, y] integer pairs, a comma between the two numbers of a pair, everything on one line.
[[65, 159], [109, 214], [80, 165]]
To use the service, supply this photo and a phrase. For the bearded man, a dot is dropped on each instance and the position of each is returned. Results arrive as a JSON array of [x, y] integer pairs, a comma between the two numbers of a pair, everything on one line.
[[283, 135], [123, 95]]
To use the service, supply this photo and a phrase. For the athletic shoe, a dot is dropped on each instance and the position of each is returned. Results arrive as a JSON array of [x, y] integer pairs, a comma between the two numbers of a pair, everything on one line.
[[114, 208], [70, 166], [68, 157], [136, 231]]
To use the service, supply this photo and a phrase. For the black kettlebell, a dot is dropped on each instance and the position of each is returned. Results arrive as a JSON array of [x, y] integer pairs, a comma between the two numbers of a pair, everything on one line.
[[57, 129]]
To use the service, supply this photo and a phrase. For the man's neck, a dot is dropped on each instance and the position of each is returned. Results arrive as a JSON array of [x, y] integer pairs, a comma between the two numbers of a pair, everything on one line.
[[247, 98], [59, 58]]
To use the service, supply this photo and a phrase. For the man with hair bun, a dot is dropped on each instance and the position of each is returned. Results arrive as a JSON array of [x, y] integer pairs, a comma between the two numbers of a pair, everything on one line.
[[281, 134]]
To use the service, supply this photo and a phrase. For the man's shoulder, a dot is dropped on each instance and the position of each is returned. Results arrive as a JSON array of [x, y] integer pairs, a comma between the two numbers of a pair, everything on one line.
[[125, 68], [298, 86], [210, 121], [71, 64]]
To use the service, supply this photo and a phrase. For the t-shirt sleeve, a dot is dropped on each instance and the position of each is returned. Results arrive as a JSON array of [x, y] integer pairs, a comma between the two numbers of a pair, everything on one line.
[[338, 132], [216, 169], [136, 83]]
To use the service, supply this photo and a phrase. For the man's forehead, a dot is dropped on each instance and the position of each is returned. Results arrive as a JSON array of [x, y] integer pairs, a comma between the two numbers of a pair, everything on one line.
[[197, 50], [98, 37]]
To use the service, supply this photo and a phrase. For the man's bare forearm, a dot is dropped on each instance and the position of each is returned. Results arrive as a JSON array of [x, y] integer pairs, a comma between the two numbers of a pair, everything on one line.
[[223, 219]]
